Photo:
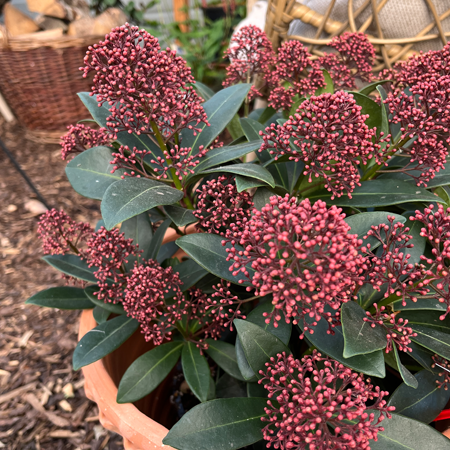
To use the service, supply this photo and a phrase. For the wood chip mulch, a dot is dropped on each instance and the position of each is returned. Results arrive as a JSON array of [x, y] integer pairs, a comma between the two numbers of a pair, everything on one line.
[[42, 401]]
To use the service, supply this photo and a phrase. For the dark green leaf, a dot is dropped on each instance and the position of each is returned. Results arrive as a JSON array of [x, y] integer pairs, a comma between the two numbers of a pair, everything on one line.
[[247, 170], [224, 355], [376, 193], [132, 196], [180, 216], [366, 90], [72, 265], [62, 298], [244, 183], [102, 340], [147, 372], [403, 433], [441, 178], [371, 364], [266, 114], [101, 315], [329, 85], [190, 273], [222, 155], [153, 249], [421, 304], [229, 387], [196, 370], [282, 331], [90, 174], [223, 424], [262, 198], [422, 356], [207, 250], [243, 364], [430, 319], [296, 105], [115, 308], [138, 228], [424, 403], [359, 337], [256, 390], [434, 340], [361, 223], [219, 109], [369, 107], [418, 241], [167, 251], [251, 129], [258, 345], [234, 128], [204, 91], [406, 375]]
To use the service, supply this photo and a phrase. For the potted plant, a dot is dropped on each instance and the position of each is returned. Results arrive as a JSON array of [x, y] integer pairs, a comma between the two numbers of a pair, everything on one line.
[[309, 309]]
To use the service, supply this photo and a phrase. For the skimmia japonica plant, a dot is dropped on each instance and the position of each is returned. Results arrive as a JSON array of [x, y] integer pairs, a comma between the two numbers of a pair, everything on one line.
[[310, 308]]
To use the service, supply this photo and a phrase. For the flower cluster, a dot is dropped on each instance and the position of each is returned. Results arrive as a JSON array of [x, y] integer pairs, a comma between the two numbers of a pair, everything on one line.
[[396, 330], [302, 254], [81, 137], [250, 54], [355, 59], [437, 231], [220, 205], [294, 74], [145, 87], [391, 270], [317, 398], [330, 136], [441, 363], [108, 251], [60, 234]]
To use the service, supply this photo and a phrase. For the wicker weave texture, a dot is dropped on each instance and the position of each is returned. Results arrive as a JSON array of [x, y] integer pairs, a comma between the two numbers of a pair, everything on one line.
[[395, 27]]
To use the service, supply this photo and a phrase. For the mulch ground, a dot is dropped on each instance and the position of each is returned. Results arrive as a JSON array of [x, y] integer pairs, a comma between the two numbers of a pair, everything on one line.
[[42, 401]]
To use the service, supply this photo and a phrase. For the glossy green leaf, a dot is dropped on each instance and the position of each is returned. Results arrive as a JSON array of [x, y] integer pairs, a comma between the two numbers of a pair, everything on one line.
[[366, 90], [223, 424], [196, 370], [370, 108], [421, 304], [147, 372], [424, 403], [204, 91], [138, 228], [234, 128], [407, 376], [244, 366], [247, 170], [100, 314], [361, 223], [72, 265], [115, 308], [296, 105], [429, 319], [371, 364], [258, 345], [251, 129], [441, 178], [266, 114], [403, 433], [417, 240], [376, 193], [256, 390], [244, 183], [62, 298], [423, 356], [221, 155], [90, 174], [166, 251], [180, 216], [359, 336], [434, 340], [282, 331], [224, 355], [329, 85], [127, 198], [219, 109], [207, 250], [102, 340], [190, 273], [228, 387], [152, 250], [262, 198]]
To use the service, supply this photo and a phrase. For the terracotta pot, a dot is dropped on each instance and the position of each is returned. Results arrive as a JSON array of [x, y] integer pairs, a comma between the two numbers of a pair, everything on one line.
[[142, 424]]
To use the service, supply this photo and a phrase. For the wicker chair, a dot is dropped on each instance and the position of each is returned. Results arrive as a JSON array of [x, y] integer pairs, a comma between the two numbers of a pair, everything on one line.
[[281, 14]]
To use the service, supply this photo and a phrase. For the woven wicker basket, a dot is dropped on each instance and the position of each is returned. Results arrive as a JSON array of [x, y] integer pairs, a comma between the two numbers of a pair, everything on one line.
[[431, 24], [40, 79]]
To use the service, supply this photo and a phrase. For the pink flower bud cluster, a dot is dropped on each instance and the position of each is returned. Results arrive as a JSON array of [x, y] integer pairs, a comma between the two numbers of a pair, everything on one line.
[[220, 204], [316, 398], [391, 270], [437, 231], [302, 254], [81, 137], [250, 54], [425, 117], [440, 363], [397, 333], [60, 234], [355, 59], [330, 136], [142, 84], [108, 251], [294, 74]]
